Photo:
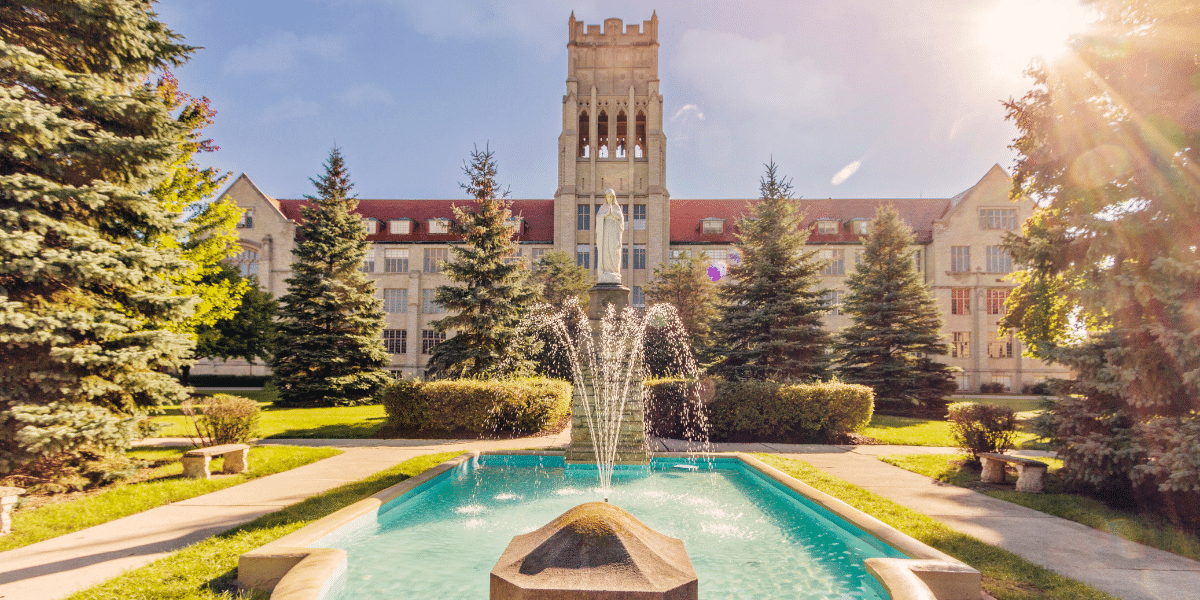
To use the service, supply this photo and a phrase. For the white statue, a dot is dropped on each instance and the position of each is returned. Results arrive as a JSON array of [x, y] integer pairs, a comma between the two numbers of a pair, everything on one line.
[[610, 223]]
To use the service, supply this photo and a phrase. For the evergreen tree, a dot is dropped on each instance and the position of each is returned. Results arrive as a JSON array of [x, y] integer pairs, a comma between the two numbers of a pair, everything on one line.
[[249, 333], [560, 278], [685, 284], [770, 325], [1108, 148], [492, 295], [86, 303], [896, 324], [330, 350]]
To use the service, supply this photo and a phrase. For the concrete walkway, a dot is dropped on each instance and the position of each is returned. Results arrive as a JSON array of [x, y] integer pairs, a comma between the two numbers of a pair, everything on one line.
[[1115, 565], [58, 567], [55, 568]]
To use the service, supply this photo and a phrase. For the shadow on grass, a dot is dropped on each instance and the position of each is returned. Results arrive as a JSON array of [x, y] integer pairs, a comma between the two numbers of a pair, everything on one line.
[[357, 431]]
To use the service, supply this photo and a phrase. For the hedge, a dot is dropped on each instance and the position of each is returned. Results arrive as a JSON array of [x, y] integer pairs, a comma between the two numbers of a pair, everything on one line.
[[227, 380], [763, 411], [471, 406]]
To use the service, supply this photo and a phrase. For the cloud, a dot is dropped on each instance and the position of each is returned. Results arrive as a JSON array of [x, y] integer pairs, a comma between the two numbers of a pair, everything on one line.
[[366, 94], [281, 52], [291, 109], [688, 112], [766, 74], [848, 170]]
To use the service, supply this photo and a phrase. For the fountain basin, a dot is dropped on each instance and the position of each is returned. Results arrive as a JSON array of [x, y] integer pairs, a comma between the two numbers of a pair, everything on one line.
[[766, 544]]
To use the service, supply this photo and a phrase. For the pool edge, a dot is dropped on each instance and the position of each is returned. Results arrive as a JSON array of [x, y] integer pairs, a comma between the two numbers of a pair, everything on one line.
[[293, 571]]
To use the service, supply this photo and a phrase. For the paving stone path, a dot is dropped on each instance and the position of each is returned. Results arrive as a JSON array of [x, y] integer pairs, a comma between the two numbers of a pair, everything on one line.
[[55, 568]]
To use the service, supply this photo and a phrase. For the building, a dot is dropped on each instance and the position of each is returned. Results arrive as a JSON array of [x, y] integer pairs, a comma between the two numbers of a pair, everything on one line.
[[612, 137]]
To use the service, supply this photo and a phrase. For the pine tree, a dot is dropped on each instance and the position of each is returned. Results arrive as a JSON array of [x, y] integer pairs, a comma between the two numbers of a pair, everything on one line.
[[770, 325], [685, 284], [249, 333], [330, 350], [896, 324], [1108, 147], [86, 303], [492, 295]]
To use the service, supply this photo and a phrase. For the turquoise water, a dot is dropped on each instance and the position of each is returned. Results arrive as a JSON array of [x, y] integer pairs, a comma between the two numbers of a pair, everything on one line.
[[747, 536]]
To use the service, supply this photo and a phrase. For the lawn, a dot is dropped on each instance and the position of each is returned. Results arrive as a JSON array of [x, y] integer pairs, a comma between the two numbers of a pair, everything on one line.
[[165, 486], [343, 422], [906, 431], [208, 570], [1093, 513]]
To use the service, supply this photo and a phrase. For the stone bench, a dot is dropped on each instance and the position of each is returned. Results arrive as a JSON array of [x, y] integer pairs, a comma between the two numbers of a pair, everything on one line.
[[195, 462], [1029, 472], [8, 498]]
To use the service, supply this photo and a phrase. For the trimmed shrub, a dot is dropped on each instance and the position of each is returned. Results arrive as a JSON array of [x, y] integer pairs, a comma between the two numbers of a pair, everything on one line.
[[675, 408], [1043, 388], [992, 387], [982, 427], [483, 407], [764, 411], [227, 380], [222, 419]]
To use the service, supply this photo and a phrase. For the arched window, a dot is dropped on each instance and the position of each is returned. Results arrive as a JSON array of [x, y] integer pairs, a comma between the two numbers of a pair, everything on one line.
[[639, 148], [602, 136], [246, 262], [622, 133], [584, 129]]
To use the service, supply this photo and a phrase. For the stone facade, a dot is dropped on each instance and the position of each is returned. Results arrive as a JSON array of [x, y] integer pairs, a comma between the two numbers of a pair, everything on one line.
[[612, 137]]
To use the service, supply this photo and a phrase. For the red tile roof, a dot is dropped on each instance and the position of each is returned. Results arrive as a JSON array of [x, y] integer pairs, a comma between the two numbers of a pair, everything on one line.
[[538, 215], [918, 213]]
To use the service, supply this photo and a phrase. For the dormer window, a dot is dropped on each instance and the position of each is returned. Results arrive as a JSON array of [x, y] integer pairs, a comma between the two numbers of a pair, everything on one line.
[[860, 226], [400, 226], [517, 224], [712, 226], [827, 227], [247, 220], [438, 226], [371, 225]]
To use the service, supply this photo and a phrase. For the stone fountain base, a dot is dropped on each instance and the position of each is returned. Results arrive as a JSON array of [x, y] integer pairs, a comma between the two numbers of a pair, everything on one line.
[[632, 448], [594, 551]]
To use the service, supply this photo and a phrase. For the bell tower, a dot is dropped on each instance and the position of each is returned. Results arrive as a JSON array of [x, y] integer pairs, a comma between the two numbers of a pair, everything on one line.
[[612, 138]]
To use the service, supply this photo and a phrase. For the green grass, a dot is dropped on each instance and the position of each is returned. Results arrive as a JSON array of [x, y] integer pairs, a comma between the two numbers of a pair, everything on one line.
[[168, 485], [208, 570], [907, 431], [1005, 575], [1024, 407], [342, 422], [1093, 513]]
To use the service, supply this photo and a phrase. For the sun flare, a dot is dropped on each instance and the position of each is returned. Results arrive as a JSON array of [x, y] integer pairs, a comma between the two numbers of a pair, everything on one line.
[[1015, 32]]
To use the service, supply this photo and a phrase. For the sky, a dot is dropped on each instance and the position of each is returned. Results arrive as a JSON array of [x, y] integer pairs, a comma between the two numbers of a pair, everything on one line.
[[851, 98]]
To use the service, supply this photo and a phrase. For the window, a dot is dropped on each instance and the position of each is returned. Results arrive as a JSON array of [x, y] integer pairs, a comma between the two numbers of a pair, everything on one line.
[[861, 227], [960, 259], [712, 226], [246, 262], [400, 226], [583, 255], [998, 261], [430, 339], [371, 225], [997, 218], [964, 383], [429, 303], [679, 255], [639, 256], [833, 301], [1005, 381], [637, 297], [368, 265], [858, 254], [960, 301], [826, 227], [995, 301], [624, 257], [960, 347], [247, 220], [434, 257], [583, 217], [515, 257], [917, 261], [622, 132], [517, 224], [639, 217], [836, 264], [639, 148], [585, 127], [395, 300], [536, 255], [439, 226], [602, 136], [395, 341], [395, 260], [1000, 347]]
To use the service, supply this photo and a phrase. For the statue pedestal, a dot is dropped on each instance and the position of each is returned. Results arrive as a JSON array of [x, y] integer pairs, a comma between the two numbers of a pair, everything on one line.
[[603, 294]]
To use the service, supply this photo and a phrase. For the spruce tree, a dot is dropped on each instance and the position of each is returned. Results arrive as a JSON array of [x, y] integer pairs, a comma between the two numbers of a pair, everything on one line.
[[491, 296], [330, 349], [86, 303], [770, 324], [896, 324]]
